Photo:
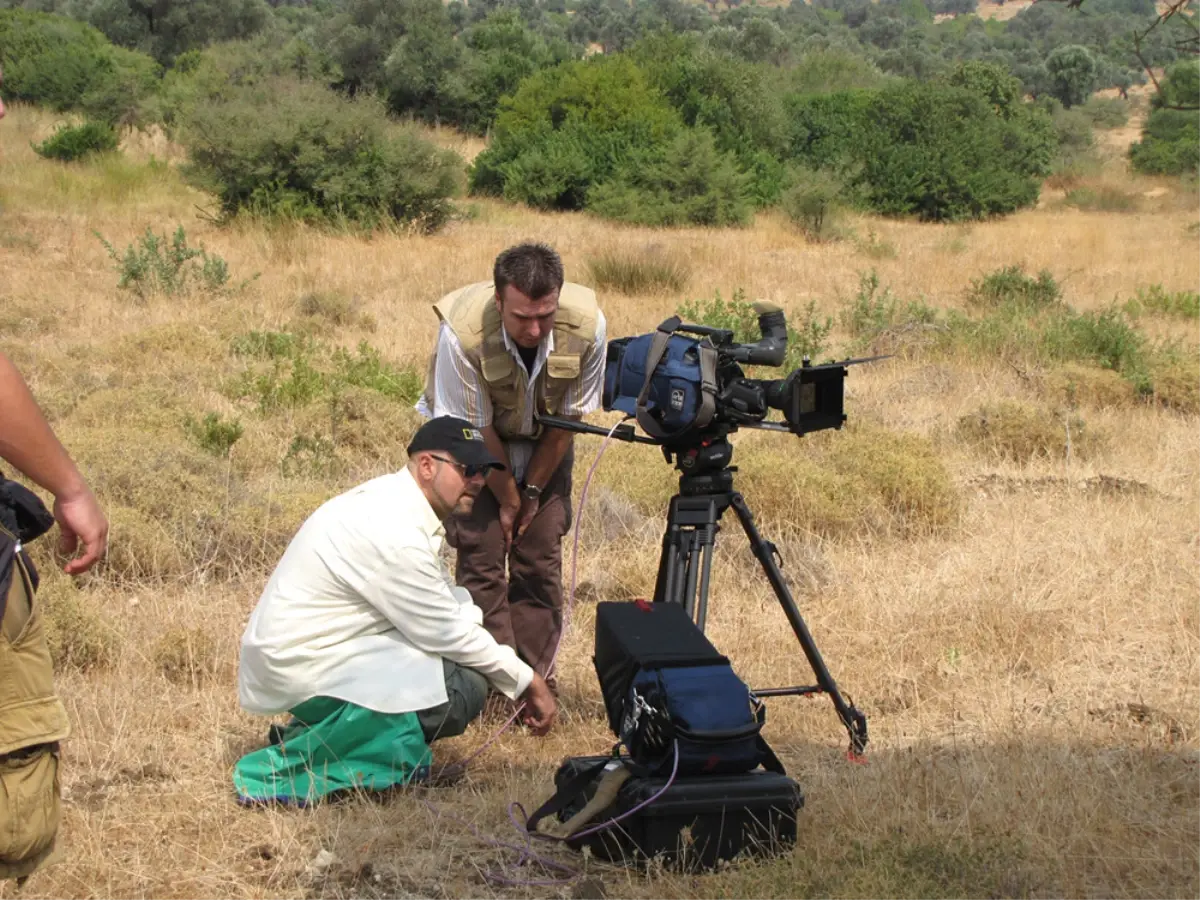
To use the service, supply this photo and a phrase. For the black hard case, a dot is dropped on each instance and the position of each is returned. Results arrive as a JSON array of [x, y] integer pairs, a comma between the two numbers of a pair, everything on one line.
[[697, 822]]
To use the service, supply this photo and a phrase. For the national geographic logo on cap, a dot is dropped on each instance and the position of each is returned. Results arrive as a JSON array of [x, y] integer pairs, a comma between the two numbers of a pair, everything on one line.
[[472, 434]]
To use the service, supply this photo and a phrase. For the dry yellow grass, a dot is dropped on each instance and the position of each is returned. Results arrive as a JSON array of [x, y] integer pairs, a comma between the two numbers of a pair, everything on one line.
[[1028, 649]]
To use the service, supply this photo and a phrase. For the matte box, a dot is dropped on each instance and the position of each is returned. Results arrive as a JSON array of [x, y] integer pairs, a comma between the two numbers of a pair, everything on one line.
[[697, 822]]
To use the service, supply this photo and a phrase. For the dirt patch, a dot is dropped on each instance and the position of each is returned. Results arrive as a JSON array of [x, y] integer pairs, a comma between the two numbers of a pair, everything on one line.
[[1002, 11]]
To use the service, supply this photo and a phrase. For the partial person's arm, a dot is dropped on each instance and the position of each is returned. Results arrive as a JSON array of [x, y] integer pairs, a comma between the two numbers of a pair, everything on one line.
[[28, 443], [580, 399], [410, 590]]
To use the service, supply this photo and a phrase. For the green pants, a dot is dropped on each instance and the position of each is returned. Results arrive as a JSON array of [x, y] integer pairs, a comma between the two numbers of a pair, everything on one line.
[[331, 746]]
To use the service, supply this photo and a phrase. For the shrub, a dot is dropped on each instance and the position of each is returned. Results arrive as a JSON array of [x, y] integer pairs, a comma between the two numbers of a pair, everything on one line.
[[942, 153], [1170, 143], [873, 312], [74, 142], [213, 433], [568, 128], [294, 150], [1020, 433], [65, 65], [1159, 301], [1011, 286], [1106, 112], [644, 271], [301, 371], [153, 265], [1106, 339], [806, 338], [688, 182], [812, 201]]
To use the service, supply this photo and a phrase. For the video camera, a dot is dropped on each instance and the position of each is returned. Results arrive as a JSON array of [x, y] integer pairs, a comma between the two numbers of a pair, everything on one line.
[[683, 380]]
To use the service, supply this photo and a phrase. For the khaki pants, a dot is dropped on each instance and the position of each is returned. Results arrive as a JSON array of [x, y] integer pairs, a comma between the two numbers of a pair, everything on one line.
[[30, 808], [522, 607]]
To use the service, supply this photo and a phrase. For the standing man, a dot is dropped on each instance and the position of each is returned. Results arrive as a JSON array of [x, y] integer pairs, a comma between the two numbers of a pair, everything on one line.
[[524, 343], [32, 717]]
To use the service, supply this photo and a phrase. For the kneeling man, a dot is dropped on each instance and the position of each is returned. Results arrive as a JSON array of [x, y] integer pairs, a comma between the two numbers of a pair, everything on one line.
[[362, 636]]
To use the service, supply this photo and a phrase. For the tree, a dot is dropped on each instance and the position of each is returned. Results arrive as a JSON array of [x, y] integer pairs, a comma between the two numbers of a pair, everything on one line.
[[1072, 72], [1170, 143]]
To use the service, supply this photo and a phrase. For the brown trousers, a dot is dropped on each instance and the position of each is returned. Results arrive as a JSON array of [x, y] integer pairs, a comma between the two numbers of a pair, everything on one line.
[[522, 605]]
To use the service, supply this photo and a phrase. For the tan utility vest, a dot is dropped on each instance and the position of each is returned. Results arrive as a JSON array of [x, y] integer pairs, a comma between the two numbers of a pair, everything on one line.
[[472, 314], [30, 711]]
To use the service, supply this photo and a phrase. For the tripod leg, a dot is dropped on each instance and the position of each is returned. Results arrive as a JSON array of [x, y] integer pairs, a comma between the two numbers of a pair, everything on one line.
[[855, 721]]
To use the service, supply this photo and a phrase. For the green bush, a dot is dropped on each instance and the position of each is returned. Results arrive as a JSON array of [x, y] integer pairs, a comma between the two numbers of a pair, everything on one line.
[[299, 371], [282, 148], [806, 337], [1011, 286], [1170, 143], [66, 65], [688, 182], [213, 433], [936, 150], [153, 265], [74, 142], [568, 129], [942, 153], [1106, 339], [740, 102], [1106, 112], [812, 201], [875, 310], [1157, 300]]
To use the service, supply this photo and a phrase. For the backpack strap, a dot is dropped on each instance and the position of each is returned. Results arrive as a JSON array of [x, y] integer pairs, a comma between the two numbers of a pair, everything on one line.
[[566, 795]]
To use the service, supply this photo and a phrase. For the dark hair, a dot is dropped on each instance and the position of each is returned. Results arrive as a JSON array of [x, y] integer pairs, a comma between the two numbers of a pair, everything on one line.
[[533, 269]]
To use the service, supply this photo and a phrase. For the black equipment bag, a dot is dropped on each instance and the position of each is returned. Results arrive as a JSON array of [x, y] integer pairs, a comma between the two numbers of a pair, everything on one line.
[[671, 698], [23, 518], [697, 821]]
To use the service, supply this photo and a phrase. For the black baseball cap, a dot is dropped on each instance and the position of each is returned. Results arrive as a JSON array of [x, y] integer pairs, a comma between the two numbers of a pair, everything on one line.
[[458, 437]]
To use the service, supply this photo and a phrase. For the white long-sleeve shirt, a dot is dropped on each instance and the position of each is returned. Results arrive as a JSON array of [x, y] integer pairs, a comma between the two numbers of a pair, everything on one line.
[[458, 388], [362, 608]]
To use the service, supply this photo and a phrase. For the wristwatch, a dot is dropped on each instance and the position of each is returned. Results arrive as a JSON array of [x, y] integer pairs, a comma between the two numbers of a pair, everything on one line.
[[531, 492]]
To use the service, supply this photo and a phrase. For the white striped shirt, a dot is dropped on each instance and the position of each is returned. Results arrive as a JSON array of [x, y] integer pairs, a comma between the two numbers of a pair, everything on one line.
[[458, 388]]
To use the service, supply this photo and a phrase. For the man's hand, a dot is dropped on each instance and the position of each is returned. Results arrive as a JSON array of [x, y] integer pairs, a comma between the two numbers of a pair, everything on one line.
[[529, 508], [540, 706], [80, 519], [509, 511]]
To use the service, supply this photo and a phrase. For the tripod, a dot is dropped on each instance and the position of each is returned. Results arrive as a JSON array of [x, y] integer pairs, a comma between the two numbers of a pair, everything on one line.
[[685, 565]]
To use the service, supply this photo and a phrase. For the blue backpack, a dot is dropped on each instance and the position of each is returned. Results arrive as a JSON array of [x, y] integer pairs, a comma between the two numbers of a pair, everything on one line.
[[666, 380]]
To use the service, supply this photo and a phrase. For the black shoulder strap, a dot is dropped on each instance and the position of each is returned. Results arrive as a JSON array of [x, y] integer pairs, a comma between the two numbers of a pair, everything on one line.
[[770, 761], [22, 511], [567, 794]]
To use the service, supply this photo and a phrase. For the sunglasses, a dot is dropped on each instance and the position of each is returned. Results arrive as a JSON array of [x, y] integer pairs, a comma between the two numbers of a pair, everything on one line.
[[469, 470]]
